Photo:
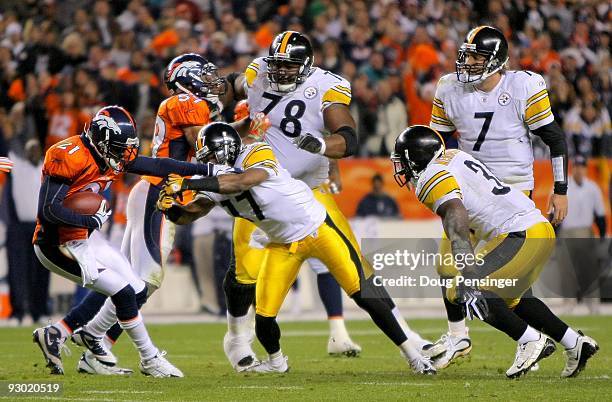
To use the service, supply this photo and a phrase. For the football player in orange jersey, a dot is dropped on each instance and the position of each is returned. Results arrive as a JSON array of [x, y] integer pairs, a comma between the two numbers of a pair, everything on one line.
[[91, 162], [194, 86]]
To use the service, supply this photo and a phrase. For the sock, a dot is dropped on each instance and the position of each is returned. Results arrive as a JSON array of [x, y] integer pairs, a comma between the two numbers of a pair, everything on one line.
[[240, 325], [380, 312], [337, 328], [538, 315], [570, 339], [238, 297], [137, 332], [114, 332], [64, 329], [501, 317], [84, 311], [103, 321], [414, 338], [108, 342], [268, 333], [410, 353], [457, 328], [276, 356], [330, 294], [454, 312], [529, 335]]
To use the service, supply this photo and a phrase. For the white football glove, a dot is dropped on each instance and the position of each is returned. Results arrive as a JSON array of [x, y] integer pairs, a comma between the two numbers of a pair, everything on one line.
[[102, 215]]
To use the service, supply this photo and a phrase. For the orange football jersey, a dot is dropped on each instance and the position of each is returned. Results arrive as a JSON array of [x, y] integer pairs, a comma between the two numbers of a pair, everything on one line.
[[174, 114], [71, 161]]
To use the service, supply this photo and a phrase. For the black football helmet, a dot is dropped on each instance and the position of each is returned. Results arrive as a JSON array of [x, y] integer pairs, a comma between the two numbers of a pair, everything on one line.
[[289, 51], [192, 74], [219, 140], [485, 41], [414, 149], [112, 135]]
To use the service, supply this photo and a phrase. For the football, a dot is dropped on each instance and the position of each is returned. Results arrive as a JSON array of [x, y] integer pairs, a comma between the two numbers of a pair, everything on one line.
[[84, 202]]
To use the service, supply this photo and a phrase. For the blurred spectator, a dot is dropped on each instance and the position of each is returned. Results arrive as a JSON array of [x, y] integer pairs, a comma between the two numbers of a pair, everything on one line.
[[211, 243], [28, 279], [377, 202], [66, 121], [588, 127], [391, 119], [586, 206]]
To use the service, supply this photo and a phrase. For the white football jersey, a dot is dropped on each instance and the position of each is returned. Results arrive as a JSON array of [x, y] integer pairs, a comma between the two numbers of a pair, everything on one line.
[[283, 207], [294, 113], [493, 206], [494, 126]]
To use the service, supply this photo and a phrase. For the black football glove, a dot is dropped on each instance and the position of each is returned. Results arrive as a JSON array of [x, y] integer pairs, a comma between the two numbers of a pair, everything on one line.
[[473, 302], [310, 143]]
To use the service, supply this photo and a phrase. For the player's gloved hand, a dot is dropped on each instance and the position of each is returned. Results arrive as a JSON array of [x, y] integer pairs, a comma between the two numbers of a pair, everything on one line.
[[174, 184], [259, 125], [102, 215], [310, 143], [241, 110], [473, 302], [6, 165], [165, 201]]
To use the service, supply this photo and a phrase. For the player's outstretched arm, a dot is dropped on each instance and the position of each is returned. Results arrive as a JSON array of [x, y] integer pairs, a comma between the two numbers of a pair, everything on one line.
[[223, 184], [162, 167], [342, 141], [52, 193], [184, 214], [235, 91]]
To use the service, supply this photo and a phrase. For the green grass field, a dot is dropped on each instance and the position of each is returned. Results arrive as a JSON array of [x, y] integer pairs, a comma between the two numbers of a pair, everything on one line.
[[379, 374]]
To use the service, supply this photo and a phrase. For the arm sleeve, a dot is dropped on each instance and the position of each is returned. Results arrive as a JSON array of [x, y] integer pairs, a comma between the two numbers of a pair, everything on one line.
[[162, 167], [53, 191], [552, 136]]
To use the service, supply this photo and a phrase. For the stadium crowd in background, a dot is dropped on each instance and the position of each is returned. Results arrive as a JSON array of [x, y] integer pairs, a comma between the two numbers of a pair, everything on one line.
[[62, 60]]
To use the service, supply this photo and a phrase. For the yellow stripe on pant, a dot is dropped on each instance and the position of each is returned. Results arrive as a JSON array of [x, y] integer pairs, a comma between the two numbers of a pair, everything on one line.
[[249, 260], [282, 262], [524, 265]]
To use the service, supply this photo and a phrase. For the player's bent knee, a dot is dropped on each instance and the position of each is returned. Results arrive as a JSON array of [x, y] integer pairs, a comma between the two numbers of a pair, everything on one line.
[[141, 297], [125, 303]]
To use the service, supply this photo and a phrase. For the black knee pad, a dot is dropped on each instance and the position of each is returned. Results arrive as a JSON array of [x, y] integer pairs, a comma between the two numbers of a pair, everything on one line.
[[238, 296], [141, 297], [268, 333], [125, 303]]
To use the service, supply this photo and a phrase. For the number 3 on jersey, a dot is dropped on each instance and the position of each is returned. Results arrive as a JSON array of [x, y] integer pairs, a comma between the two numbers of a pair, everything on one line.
[[290, 125]]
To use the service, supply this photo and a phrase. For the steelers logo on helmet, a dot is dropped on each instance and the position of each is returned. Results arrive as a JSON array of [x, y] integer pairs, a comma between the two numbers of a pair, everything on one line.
[[192, 74], [289, 61], [112, 135], [415, 148], [483, 53], [219, 143]]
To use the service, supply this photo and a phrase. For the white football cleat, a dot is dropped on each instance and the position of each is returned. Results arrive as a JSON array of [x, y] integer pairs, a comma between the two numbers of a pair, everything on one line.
[[158, 366], [51, 343], [528, 354], [423, 365], [343, 347], [239, 352], [279, 365], [90, 365], [577, 356], [448, 349], [95, 345]]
